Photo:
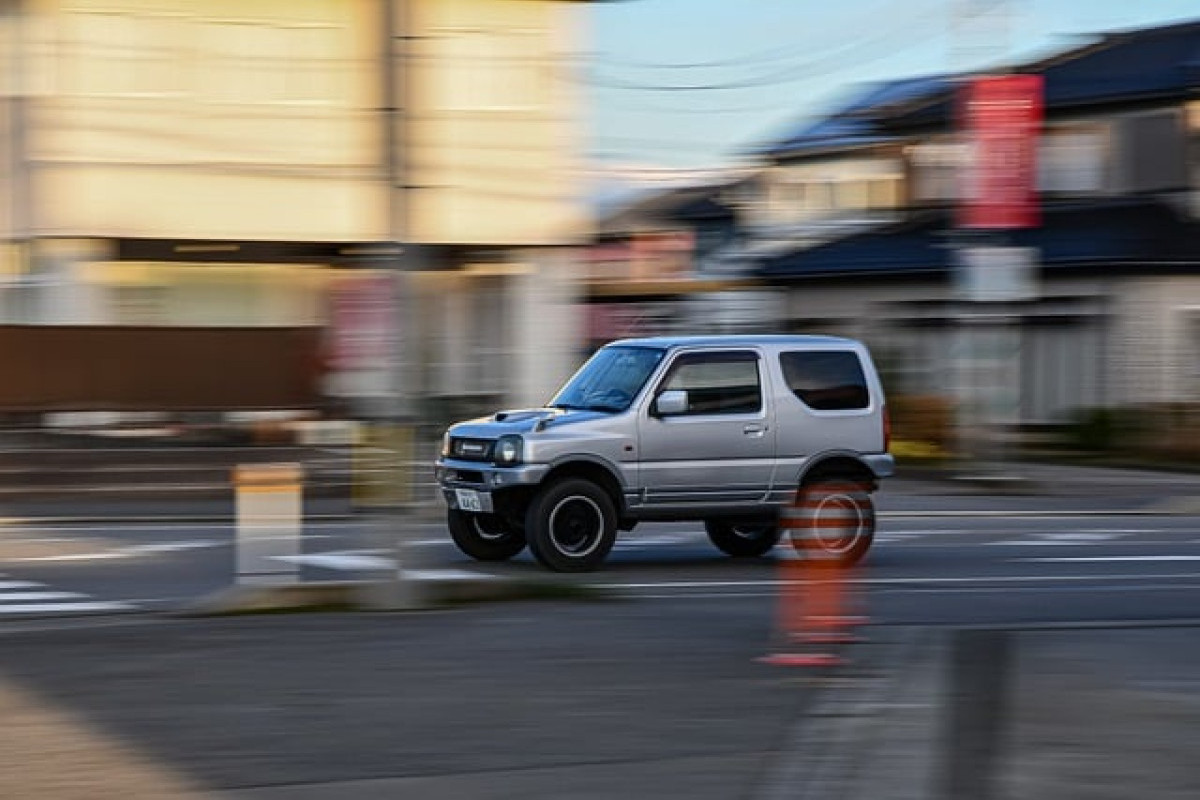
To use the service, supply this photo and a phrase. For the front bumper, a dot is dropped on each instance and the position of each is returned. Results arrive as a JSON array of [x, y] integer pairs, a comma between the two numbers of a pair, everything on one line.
[[483, 479]]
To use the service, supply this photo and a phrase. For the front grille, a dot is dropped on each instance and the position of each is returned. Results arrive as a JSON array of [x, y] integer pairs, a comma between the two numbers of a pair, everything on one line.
[[471, 449], [465, 476]]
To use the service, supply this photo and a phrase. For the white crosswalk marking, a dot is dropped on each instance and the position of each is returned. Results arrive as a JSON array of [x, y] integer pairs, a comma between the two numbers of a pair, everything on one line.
[[28, 597]]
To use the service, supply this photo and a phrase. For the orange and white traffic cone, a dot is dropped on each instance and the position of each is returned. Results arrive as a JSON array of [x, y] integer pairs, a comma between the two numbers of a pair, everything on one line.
[[814, 598]]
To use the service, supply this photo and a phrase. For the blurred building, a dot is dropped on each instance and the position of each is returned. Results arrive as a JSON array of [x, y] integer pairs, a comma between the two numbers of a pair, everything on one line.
[[657, 266], [256, 165], [852, 220]]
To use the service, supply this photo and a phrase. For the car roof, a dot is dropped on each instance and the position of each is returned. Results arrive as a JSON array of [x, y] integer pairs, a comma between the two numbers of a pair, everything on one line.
[[744, 340]]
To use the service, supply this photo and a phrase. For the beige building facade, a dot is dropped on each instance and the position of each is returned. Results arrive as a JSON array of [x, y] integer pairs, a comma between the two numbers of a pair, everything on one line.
[[236, 162]]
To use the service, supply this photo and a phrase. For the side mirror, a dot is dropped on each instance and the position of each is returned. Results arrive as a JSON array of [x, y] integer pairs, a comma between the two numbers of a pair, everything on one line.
[[671, 403]]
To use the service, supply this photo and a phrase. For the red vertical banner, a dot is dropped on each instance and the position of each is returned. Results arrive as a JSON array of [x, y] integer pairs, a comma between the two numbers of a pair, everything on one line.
[[361, 321], [1002, 116]]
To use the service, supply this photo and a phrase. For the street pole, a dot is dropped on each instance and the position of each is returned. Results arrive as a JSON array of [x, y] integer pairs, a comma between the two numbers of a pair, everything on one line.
[[396, 416]]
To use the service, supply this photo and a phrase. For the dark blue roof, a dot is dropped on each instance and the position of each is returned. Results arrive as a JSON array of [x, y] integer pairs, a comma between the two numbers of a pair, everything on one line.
[[855, 124], [1093, 234], [1119, 67]]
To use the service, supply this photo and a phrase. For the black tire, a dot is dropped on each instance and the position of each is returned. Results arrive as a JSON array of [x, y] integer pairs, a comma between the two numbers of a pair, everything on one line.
[[571, 526], [742, 541], [834, 519], [484, 537]]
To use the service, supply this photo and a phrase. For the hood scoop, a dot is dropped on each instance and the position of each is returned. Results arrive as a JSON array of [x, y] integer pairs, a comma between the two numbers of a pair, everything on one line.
[[542, 416]]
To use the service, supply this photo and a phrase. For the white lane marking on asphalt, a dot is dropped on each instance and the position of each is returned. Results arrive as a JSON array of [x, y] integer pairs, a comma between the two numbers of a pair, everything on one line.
[[350, 560], [975, 579], [1061, 539], [22, 597], [9, 585], [171, 547], [28, 597], [1099, 559], [657, 540], [105, 556], [47, 608], [1139, 588], [127, 551]]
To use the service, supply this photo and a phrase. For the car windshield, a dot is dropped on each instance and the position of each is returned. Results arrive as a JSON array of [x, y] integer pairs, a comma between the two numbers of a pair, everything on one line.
[[609, 380]]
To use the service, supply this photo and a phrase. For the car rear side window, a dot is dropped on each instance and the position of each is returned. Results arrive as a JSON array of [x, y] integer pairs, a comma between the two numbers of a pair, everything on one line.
[[826, 380]]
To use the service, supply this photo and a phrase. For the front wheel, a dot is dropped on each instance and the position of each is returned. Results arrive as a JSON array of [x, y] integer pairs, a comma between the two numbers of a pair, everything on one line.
[[741, 541], [834, 520], [571, 526], [484, 537]]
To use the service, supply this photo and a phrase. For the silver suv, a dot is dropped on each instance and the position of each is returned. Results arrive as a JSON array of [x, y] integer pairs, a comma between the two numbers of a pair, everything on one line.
[[728, 430]]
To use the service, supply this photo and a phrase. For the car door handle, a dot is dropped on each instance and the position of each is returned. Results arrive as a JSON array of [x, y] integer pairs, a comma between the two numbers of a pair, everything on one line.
[[754, 430]]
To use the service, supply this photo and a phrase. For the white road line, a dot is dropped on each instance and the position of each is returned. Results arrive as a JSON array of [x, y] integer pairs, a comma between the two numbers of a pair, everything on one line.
[[9, 585], [24, 597], [975, 579], [47, 608], [343, 561], [1139, 588], [1099, 559], [128, 551], [1060, 539]]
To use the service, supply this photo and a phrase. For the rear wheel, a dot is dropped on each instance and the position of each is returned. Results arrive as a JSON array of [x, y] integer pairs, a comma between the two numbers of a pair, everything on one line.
[[834, 519], [741, 541], [484, 537], [571, 525]]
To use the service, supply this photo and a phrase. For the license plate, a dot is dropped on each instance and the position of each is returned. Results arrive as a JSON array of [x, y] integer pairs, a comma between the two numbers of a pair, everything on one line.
[[468, 500]]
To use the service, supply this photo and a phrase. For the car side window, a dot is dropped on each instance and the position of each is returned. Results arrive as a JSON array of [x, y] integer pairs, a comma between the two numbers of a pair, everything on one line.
[[717, 383], [826, 380]]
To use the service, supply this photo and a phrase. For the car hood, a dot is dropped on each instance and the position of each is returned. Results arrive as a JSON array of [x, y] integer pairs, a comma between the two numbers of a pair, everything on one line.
[[524, 420]]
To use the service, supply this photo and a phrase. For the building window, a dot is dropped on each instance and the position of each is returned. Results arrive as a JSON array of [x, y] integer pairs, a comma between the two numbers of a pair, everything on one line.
[[883, 193], [818, 196], [851, 195], [1071, 160], [826, 381], [937, 168]]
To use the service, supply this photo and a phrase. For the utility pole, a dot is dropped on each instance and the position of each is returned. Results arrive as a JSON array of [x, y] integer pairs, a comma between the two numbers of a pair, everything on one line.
[[395, 416], [990, 274], [20, 194]]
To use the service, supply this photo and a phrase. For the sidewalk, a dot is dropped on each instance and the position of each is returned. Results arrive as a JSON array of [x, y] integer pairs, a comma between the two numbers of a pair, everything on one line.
[[1101, 714]]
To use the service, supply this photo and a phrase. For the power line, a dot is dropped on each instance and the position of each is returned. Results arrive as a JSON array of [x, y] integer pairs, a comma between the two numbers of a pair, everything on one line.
[[778, 53], [804, 70]]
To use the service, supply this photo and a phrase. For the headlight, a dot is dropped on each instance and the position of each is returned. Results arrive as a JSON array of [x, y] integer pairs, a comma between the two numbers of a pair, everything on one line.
[[508, 450], [446, 444]]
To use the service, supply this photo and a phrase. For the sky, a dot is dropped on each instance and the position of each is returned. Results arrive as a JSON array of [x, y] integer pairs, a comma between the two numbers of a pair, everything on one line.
[[676, 86]]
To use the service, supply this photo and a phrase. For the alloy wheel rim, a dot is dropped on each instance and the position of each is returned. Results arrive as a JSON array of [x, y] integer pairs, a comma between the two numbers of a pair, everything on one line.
[[576, 526], [837, 538]]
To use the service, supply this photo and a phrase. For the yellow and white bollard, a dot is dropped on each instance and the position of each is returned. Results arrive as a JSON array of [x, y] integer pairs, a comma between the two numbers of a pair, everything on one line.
[[269, 500]]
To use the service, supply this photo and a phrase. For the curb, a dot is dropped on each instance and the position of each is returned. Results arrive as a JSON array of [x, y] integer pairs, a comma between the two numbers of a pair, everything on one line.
[[430, 589]]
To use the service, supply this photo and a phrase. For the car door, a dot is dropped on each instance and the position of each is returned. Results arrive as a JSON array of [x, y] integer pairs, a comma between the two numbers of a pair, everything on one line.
[[721, 449]]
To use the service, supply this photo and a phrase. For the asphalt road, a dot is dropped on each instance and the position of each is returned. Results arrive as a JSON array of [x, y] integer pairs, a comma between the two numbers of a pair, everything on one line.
[[659, 695], [935, 567]]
